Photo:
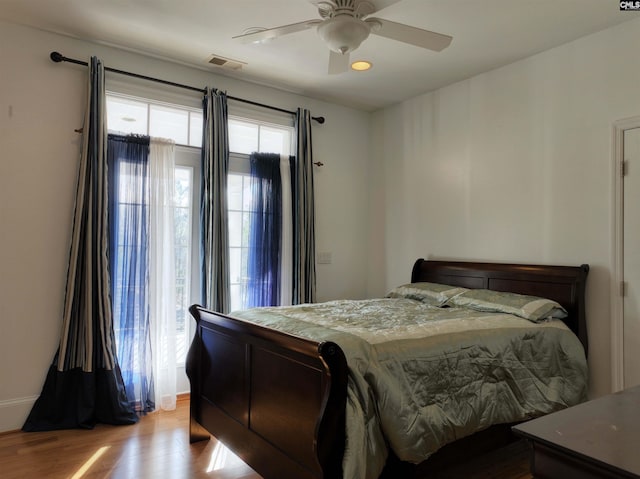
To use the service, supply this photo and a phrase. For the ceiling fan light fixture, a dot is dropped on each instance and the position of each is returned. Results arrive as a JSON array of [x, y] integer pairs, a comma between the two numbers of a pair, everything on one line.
[[343, 33], [361, 65]]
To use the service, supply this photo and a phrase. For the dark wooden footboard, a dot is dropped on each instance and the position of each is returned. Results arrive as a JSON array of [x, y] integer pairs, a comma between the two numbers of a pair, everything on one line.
[[276, 400]]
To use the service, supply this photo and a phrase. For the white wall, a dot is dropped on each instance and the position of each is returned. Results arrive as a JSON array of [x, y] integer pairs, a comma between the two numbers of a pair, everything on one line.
[[511, 165], [40, 104]]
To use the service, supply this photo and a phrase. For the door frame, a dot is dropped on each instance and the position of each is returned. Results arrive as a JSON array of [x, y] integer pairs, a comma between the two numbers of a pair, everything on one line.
[[617, 269]]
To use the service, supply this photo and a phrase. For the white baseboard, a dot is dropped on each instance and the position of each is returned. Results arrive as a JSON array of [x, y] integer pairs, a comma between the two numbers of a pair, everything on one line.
[[13, 412]]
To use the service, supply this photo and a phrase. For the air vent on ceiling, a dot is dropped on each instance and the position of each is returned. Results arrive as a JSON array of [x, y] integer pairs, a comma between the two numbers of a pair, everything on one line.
[[226, 63]]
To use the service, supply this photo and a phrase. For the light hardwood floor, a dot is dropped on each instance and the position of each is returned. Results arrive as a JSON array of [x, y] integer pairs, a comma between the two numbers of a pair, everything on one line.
[[158, 447]]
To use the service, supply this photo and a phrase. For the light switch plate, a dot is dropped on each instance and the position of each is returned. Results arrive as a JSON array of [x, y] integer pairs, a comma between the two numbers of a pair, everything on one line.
[[324, 257]]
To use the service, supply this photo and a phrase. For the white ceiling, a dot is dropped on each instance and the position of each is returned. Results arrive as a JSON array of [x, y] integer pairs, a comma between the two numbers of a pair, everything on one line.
[[486, 34]]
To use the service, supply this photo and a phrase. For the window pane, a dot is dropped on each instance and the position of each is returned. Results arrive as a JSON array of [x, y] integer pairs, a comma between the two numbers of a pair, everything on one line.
[[167, 122], [234, 192], [235, 228], [126, 116], [235, 273], [236, 296], [244, 264], [183, 241], [246, 192], [183, 187], [246, 224], [274, 140], [243, 137], [182, 227], [195, 129], [181, 310]]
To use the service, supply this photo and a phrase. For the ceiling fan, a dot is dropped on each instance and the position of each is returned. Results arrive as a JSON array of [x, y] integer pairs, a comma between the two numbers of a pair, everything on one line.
[[345, 24]]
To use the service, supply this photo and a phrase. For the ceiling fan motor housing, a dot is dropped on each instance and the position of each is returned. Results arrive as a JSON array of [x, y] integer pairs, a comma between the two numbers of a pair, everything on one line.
[[343, 33]]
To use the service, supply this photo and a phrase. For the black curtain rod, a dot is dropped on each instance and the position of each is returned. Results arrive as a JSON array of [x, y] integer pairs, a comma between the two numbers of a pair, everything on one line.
[[58, 57]]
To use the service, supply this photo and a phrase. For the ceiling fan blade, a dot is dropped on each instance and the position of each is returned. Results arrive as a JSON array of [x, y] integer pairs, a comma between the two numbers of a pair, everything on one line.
[[338, 63], [412, 35], [269, 33]]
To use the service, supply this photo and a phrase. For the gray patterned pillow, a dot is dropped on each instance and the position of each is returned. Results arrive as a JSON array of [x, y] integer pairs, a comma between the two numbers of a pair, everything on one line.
[[430, 293], [532, 308]]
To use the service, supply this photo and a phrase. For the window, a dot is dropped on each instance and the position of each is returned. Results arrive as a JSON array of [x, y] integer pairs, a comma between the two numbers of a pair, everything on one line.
[[183, 125], [270, 134], [245, 137], [126, 114]]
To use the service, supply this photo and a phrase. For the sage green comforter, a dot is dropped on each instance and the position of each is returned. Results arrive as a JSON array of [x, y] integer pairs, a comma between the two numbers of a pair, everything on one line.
[[421, 376]]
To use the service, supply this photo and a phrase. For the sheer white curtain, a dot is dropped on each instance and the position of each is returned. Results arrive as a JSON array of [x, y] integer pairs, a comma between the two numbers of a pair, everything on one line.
[[162, 277]]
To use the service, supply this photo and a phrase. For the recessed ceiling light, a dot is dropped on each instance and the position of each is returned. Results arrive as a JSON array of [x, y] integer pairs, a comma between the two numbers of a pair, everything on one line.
[[361, 65]]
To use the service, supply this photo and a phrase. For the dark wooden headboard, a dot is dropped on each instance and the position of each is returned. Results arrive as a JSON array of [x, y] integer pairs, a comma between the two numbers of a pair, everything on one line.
[[564, 284]]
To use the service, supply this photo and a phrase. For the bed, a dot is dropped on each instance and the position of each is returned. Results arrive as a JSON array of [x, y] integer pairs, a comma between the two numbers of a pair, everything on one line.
[[282, 401]]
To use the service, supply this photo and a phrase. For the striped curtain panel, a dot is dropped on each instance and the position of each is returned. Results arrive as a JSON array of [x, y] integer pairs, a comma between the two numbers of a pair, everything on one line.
[[304, 245], [84, 384], [214, 244]]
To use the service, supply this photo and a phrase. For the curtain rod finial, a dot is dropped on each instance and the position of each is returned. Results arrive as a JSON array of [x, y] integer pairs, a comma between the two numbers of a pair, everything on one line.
[[56, 57], [319, 119]]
